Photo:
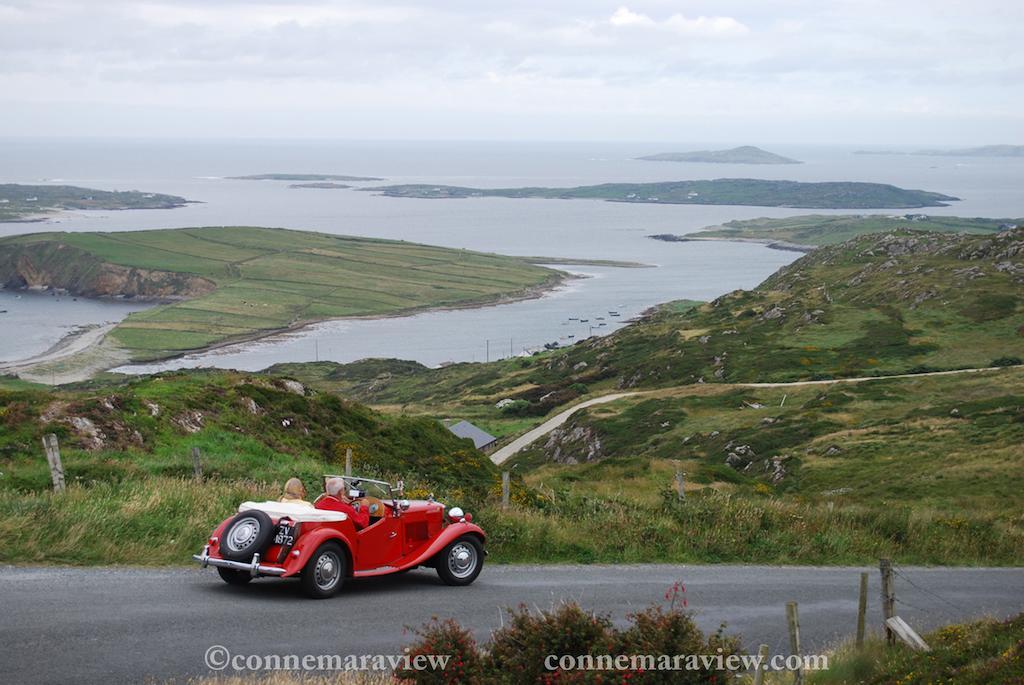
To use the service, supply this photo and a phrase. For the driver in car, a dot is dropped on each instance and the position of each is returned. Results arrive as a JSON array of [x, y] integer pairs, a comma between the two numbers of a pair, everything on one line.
[[337, 500]]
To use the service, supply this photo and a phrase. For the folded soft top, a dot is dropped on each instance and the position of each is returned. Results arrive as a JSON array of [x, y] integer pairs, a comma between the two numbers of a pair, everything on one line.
[[294, 511]]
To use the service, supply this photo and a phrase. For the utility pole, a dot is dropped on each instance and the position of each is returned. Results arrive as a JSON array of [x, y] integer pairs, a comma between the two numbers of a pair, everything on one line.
[[488, 349]]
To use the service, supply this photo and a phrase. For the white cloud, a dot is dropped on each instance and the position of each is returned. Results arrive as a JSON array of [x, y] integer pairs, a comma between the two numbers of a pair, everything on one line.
[[533, 68], [678, 23]]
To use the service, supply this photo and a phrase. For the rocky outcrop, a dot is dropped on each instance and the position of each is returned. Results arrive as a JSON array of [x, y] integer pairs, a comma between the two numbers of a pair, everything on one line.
[[52, 265], [574, 445]]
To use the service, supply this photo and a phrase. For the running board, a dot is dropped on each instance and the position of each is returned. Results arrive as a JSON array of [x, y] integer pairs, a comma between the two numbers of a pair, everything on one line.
[[379, 571]]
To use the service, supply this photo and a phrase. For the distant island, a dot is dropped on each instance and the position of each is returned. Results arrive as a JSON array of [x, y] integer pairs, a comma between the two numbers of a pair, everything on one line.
[[303, 177], [722, 191], [19, 203], [746, 154], [810, 231], [983, 151], [320, 184]]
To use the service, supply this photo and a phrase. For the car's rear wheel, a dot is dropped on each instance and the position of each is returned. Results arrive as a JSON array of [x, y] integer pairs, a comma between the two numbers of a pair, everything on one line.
[[247, 534], [233, 577], [461, 562], [325, 571]]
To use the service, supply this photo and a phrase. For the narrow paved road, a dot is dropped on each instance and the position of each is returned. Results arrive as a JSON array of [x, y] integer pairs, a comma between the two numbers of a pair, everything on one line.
[[526, 439], [124, 625], [551, 424]]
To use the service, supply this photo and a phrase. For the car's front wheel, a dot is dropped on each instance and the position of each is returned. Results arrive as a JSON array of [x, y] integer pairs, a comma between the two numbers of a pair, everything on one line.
[[233, 577], [461, 562], [325, 571]]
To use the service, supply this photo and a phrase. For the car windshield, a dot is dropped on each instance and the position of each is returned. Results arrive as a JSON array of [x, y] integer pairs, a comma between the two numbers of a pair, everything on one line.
[[371, 488]]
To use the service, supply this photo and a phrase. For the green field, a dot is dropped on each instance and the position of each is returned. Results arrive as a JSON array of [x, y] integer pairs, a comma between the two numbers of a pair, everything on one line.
[[20, 202], [253, 281], [722, 191], [819, 229]]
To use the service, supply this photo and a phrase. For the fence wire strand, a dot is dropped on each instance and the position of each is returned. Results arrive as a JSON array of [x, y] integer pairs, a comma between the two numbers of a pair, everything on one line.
[[924, 590]]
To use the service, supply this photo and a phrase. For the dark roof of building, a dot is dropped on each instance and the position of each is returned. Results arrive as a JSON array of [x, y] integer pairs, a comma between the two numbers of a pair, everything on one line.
[[464, 429]]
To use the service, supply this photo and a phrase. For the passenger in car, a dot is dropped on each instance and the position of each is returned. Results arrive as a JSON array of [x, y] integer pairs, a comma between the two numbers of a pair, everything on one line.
[[337, 500], [295, 492]]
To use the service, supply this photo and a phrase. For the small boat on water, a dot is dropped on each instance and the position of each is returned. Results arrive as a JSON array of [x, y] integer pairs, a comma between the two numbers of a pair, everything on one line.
[[574, 318], [613, 313], [584, 320]]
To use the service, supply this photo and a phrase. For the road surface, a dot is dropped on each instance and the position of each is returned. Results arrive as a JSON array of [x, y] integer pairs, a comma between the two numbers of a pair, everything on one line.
[[124, 625], [551, 424], [526, 439]]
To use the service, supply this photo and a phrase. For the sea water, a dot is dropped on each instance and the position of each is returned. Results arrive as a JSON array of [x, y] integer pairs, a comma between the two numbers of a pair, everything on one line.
[[582, 229]]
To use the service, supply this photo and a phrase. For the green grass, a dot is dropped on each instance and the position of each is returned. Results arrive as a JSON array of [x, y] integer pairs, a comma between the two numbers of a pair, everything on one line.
[[977, 653], [949, 443], [241, 282], [820, 229]]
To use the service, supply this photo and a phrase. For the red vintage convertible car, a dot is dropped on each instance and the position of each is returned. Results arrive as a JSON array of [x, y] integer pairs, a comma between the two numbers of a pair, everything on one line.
[[322, 548]]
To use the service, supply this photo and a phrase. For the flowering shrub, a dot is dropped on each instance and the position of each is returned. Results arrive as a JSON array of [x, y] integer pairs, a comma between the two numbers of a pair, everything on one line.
[[518, 651], [447, 638]]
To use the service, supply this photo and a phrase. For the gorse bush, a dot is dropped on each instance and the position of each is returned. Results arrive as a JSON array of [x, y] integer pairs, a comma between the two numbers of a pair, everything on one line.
[[527, 648]]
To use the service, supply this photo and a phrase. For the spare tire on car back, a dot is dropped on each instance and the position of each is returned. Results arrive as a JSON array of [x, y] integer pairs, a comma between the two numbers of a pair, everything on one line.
[[246, 534]]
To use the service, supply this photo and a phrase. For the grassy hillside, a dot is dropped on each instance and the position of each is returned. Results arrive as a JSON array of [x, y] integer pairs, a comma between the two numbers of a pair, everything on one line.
[[131, 497], [721, 191], [18, 202], [126, 449], [248, 426], [881, 304], [820, 229], [241, 282], [923, 467], [949, 443]]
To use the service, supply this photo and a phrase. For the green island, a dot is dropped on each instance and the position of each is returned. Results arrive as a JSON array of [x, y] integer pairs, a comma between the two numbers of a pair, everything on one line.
[[890, 461], [982, 151], [303, 177], [32, 202], [745, 154], [324, 185], [807, 232], [722, 191], [221, 284]]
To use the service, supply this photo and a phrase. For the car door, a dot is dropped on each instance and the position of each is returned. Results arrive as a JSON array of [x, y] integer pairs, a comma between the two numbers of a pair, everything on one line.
[[379, 544]]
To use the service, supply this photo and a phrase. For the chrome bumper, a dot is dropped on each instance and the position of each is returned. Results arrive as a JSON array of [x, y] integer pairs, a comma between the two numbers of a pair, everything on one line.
[[252, 567]]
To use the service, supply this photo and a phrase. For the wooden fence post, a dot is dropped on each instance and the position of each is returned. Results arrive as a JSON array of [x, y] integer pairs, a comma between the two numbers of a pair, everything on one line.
[[680, 482], [862, 608], [52, 449], [762, 657], [197, 464], [888, 598], [506, 489], [793, 618], [348, 461]]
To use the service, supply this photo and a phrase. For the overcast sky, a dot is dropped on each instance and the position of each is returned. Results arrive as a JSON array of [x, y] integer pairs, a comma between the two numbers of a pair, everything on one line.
[[759, 71]]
